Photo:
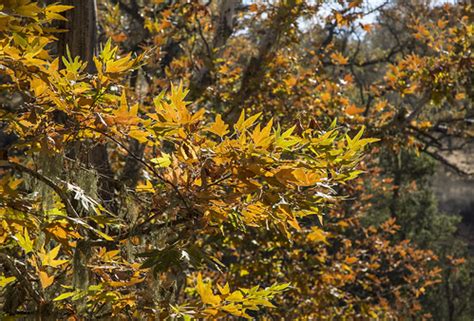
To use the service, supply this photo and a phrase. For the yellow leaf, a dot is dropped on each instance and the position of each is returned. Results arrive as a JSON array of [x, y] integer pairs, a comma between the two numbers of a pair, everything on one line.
[[147, 187], [49, 258], [224, 290], [138, 134], [373, 314], [28, 10], [243, 123], [103, 235], [45, 279], [290, 82], [232, 309], [24, 241], [240, 122], [219, 127], [262, 138], [291, 219], [244, 272], [123, 115], [211, 311], [38, 86], [425, 124], [109, 255], [54, 16], [163, 161], [305, 178], [5, 281], [58, 8], [343, 224], [119, 65], [317, 235], [254, 213], [64, 296], [58, 232], [205, 292], [236, 296], [13, 184]]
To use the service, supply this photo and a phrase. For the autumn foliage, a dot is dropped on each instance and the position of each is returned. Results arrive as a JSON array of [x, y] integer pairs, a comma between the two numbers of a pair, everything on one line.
[[142, 186]]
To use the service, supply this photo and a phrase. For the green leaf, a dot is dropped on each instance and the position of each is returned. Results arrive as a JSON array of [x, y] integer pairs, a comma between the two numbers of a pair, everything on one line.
[[280, 287], [64, 296]]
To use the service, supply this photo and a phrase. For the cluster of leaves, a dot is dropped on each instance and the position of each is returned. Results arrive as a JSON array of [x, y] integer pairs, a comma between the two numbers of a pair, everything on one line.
[[235, 303], [197, 176]]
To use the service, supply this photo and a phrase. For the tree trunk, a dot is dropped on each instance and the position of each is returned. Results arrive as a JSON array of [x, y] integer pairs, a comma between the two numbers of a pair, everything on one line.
[[81, 41], [81, 38]]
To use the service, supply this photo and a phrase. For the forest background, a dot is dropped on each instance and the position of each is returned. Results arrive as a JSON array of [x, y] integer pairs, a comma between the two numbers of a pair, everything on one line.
[[296, 160]]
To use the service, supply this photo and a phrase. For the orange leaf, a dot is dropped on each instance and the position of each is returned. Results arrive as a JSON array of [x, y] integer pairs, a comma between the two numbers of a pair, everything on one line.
[[325, 97], [45, 279], [355, 3], [353, 110], [253, 7], [338, 58], [350, 260]]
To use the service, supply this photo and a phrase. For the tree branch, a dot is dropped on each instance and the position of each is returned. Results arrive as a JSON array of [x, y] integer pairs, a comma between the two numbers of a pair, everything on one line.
[[62, 195], [447, 163], [21, 277]]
